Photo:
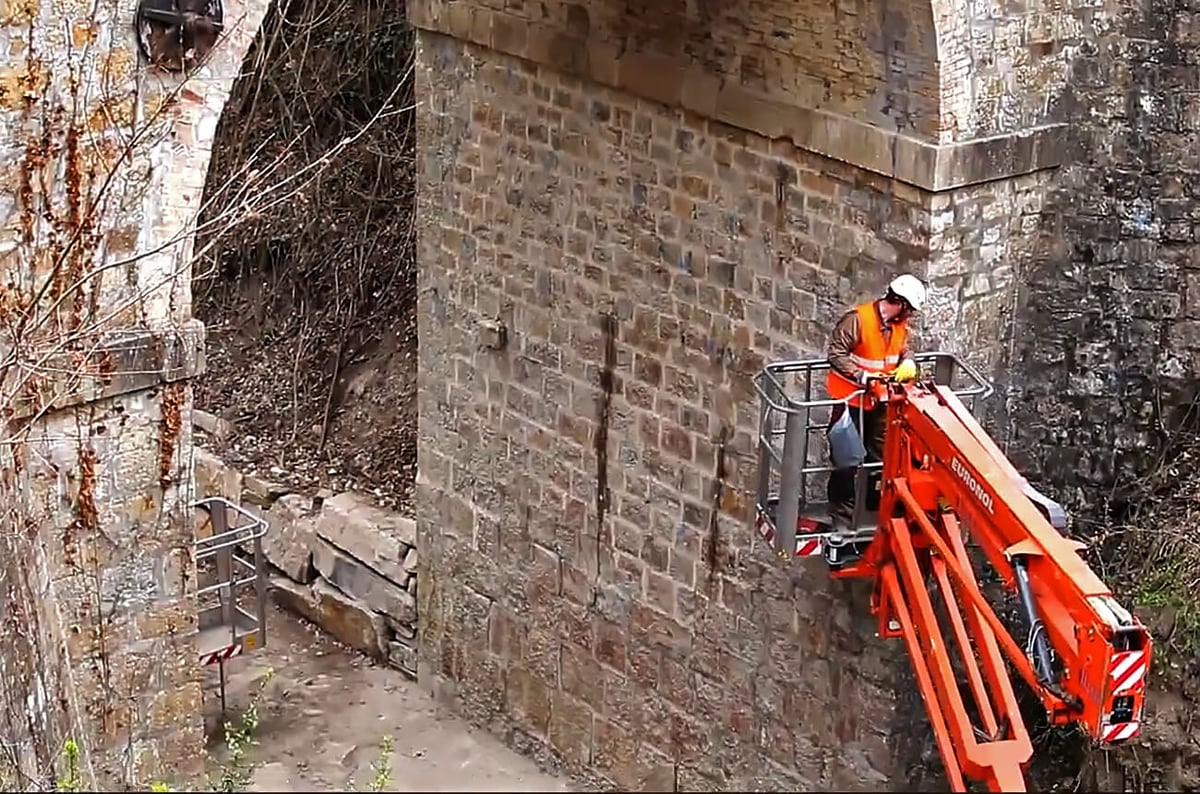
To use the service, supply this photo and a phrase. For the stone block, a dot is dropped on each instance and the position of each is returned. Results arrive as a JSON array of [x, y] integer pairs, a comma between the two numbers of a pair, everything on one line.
[[362, 582], [403, 657], [346, 619], [261, 491], [212, 424], [373, 536], [405, 631], [291, 535], [212, 478]]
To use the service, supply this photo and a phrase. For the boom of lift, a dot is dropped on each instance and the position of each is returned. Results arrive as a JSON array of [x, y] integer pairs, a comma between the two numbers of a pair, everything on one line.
[[944, 485]]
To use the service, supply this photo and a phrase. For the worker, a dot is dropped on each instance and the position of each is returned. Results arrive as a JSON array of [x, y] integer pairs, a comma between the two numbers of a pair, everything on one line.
[[869, 341]]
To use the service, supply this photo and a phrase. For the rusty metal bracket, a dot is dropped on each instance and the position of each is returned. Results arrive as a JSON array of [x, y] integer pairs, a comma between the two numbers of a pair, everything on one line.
[[176, 35]]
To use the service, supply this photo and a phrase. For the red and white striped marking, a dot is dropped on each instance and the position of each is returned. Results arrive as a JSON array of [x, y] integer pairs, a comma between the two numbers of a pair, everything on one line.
[[1127, 670], [1119, 732], [805, 547], [808, 547], [764, 528], [219, 656]]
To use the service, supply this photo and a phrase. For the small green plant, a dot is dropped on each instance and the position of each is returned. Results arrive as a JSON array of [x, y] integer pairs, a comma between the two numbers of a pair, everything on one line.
[[1157, 554], [1171, 583], [383, 767], [236, 769], [70, 780]]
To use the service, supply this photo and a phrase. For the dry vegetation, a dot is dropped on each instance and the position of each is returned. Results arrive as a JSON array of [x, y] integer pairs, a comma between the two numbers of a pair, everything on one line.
[[310, 306], [1152, 554], [1148, 552]]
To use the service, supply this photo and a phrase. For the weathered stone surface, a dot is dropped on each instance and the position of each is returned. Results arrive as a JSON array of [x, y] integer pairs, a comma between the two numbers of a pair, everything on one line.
[[257, 490], [1105, 352], [785, 57], [376, 537], [348, 620], [104, 162], [360, 581], [403, 657], [291, 536], [212, 478], [691, 252]]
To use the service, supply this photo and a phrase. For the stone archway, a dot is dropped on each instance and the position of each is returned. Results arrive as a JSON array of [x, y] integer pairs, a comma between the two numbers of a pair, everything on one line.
[[105, 167]]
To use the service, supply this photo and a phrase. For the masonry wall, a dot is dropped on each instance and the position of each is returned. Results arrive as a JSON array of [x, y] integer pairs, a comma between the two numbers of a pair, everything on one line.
[[102, 164], [606, 262], [621, 643], [1107, 349]]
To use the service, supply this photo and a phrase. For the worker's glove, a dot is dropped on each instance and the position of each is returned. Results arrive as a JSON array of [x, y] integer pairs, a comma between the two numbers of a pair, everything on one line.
[[906, 371]]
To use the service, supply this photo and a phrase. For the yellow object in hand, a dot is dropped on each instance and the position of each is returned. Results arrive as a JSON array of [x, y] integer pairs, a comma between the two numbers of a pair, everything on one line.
[[906, 371]]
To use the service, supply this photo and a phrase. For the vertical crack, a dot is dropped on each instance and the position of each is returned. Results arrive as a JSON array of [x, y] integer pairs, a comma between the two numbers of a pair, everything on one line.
[[713, 542], [608, 324]]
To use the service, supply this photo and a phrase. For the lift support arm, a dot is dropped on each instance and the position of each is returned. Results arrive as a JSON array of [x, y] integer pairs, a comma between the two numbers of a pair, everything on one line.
[[1085, 656]]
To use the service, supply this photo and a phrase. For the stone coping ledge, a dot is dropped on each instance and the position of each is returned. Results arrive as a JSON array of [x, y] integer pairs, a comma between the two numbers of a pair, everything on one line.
[[676, 83], [117, 362]]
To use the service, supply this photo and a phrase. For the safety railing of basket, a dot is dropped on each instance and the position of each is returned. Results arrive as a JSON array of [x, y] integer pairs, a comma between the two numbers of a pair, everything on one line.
[[794, 461]]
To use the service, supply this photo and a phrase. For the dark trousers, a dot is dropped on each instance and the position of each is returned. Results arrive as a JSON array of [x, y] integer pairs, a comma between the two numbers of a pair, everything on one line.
[[840, 490]]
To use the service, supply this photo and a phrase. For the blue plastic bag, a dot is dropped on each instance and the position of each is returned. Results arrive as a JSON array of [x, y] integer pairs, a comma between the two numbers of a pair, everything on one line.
[[845, 442]]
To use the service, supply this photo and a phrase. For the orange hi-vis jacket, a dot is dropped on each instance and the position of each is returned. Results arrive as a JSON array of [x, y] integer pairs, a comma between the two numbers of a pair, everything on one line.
[[872, 353]]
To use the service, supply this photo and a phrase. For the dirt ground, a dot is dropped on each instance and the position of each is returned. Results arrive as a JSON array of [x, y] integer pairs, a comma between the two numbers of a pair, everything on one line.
[[325, 710]]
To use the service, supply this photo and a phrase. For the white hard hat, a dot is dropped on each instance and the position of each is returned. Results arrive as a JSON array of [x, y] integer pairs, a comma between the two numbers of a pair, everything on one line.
[[910, 288]]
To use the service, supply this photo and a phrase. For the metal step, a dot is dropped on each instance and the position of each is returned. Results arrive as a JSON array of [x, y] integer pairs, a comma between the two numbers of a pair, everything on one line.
[[815, 535]]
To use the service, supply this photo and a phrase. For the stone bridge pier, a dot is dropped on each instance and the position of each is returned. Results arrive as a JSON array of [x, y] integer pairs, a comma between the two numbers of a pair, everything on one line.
[[626, 209], [103, 161]]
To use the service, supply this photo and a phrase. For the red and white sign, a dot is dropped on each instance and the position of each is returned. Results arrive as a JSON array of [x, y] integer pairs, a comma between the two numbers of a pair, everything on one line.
[[808, 547], [805, 546], [1128, 671], [1119, 732]]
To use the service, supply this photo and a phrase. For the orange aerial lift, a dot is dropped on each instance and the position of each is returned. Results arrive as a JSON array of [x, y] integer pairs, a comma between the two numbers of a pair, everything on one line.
[[944, 486]]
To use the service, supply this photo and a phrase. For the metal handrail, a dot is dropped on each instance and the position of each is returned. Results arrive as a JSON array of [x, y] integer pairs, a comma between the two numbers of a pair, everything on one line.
[[234, 536], [980, 386], [795, 401]]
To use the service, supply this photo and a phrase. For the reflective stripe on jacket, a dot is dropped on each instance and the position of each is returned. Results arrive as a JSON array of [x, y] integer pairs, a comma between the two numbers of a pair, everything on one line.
[[873, 352]]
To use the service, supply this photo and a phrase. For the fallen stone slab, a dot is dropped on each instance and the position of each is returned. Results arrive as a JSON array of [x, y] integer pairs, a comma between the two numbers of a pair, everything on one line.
[[212, 424], [348, 620], [373, 536], [291, 535], [360, 581], [261, 491], [405, 631]]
